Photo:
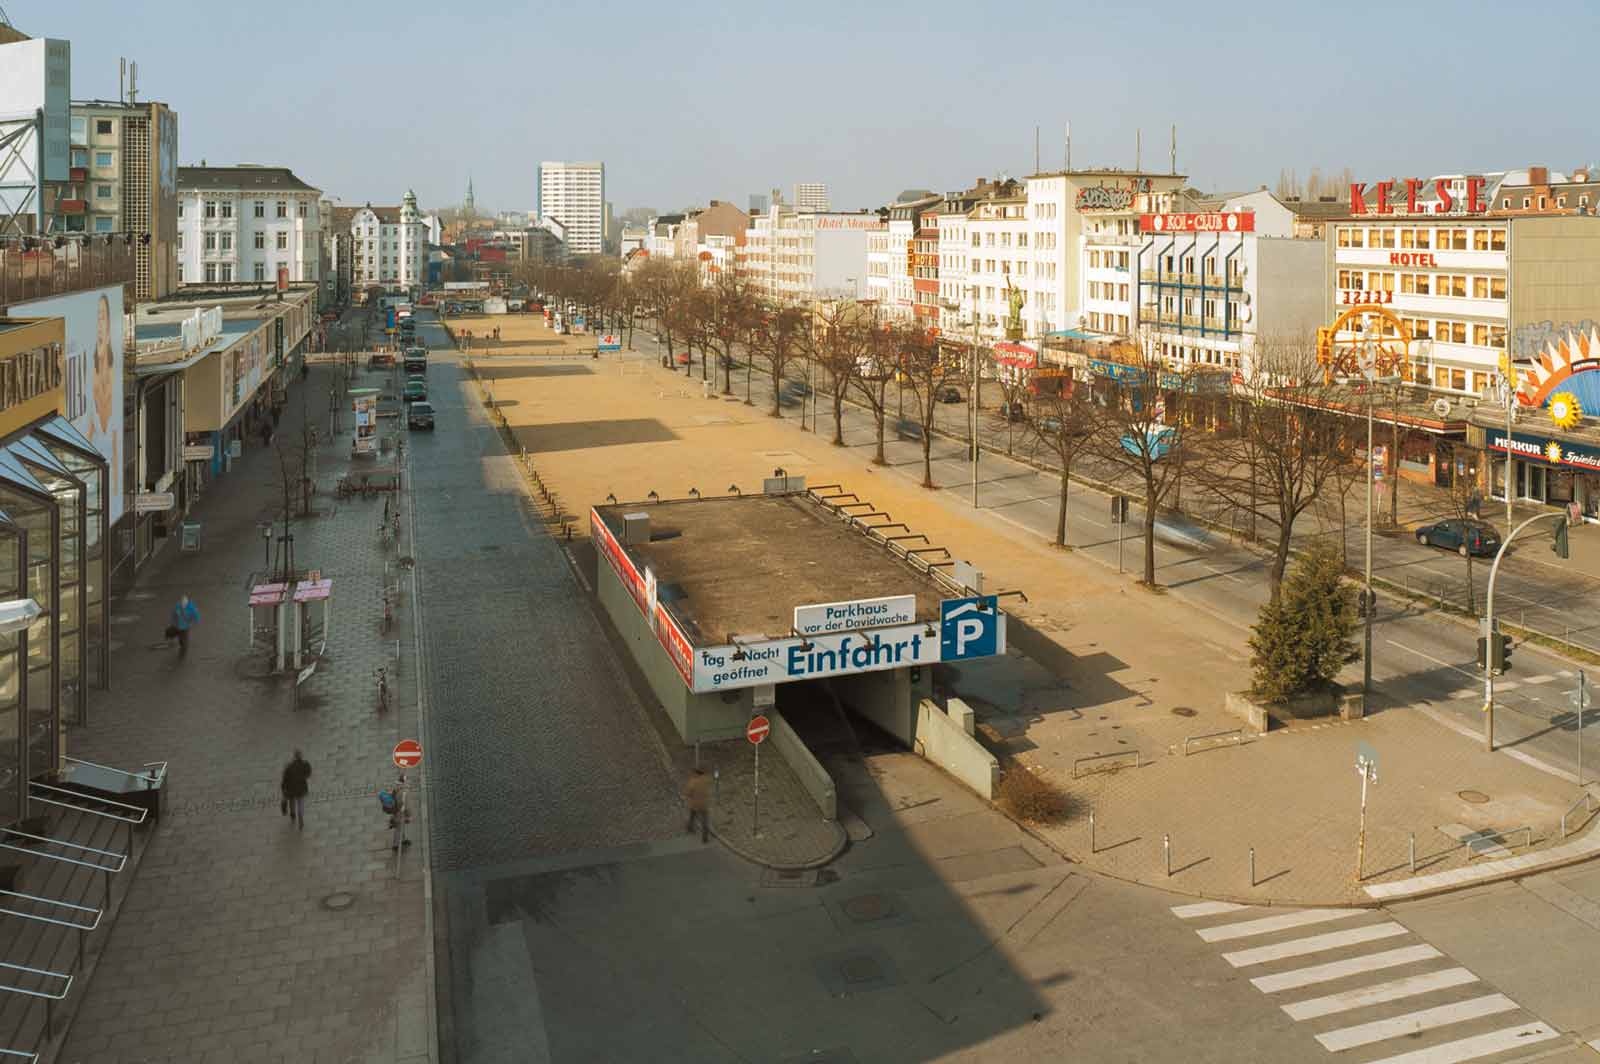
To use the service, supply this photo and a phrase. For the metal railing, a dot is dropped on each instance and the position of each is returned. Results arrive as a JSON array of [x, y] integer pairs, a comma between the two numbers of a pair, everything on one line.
[[49, 998], [1237, 734], [33, 267], [1105, 759], [143, 813], [158, 769], [71, 925], [1489, 839], [1587, 801]]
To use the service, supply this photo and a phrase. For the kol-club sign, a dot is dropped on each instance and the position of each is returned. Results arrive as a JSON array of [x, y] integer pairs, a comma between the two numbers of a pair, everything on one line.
[[1205, 222]]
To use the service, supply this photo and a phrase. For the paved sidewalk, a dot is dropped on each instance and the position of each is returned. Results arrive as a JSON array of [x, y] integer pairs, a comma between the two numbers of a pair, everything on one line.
[[1131, 670], [244, 939]]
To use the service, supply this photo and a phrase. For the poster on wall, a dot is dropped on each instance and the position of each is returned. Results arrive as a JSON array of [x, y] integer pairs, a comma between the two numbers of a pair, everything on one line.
[[93, 373], [167, 175]]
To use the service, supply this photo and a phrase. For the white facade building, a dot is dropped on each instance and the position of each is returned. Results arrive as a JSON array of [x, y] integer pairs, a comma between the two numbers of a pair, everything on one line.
[[246, 223], [390, 246], [797, 256], [811, 196], [575, 195]]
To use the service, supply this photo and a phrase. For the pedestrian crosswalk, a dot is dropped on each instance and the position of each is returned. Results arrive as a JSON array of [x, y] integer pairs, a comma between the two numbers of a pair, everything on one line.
[[1361, 991]]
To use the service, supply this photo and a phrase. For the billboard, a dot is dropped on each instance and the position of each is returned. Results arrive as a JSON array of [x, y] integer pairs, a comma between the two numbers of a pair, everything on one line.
[[93, 389], [37, 75]]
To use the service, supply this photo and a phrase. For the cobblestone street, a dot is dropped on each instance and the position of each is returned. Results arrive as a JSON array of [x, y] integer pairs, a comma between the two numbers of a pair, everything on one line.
[[244, 939]]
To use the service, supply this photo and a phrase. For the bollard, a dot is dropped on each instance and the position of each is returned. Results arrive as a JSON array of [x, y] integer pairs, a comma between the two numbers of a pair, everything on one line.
[[1252, 866], [1166, 846], [1091, 832], [716, 782], [1411, 847]]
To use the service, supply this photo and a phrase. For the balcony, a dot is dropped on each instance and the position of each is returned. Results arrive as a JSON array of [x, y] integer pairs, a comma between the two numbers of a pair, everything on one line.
[[72, 206], [33, 268], [78, 174]]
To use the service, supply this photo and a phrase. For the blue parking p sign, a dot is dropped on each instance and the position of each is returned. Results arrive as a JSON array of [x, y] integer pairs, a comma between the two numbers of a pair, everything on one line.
[[970, 628]]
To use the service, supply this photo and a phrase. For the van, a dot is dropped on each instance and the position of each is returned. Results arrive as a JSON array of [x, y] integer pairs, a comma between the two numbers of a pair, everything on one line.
[[416, 360]]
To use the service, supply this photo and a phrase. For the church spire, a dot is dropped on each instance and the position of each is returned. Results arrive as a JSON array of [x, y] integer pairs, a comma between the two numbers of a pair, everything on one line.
[[467, 205]]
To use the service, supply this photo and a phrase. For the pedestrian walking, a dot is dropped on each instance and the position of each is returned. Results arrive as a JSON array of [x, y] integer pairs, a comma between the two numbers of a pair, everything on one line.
[[401, 816], [185, 615], [266, 433], [295, 785], [698, 793]]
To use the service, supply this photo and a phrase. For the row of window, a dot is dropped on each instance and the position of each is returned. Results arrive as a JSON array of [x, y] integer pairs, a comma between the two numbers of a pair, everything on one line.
[[1108, 323], [224, 241], [224, 208], [104, 159], [1108, 290], [1457, 285], [80, 128], [1450, 331], [1108, 260], [222, 272], [1199, 356], [1561, 201], [1440, 239]]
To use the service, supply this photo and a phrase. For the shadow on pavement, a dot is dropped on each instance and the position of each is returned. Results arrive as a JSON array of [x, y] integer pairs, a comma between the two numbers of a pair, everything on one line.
[[583, 435]]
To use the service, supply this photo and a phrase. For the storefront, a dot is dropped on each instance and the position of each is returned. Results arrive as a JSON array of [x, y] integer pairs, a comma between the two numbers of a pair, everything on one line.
[[54, 520], [1547, 466]]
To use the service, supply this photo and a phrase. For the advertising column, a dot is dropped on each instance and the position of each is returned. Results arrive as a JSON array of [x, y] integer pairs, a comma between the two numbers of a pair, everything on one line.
[[364, 401]]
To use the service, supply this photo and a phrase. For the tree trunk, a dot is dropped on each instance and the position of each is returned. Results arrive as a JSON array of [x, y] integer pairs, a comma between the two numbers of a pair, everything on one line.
[[927, 456], [777, 393], [1280, 562], [880, 458], [1149, 532], [1061, 514], [1472, 591], [727, 371], [838, 418]]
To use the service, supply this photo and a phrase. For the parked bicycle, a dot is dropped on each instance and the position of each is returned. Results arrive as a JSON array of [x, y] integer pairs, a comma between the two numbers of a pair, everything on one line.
[[383, 688], [388, 611]]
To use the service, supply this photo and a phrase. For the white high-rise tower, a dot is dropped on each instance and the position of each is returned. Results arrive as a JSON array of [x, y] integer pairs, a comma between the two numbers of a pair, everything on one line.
[[574, 194]]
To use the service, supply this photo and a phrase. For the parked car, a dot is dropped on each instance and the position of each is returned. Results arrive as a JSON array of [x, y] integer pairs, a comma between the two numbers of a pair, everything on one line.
[[1463, 537], [1159, 441], [1011, 412], [950, 395], [420, 416], [907, 429], [416, 360], [416, 390], [1049, 425]]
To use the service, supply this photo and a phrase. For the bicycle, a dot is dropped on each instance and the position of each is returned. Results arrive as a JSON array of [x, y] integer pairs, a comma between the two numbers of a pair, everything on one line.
[[383, 688], [388, 612]]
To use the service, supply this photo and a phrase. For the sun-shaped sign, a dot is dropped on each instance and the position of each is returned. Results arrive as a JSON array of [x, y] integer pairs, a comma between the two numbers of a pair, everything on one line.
[[1565, 410], [1552, 452]]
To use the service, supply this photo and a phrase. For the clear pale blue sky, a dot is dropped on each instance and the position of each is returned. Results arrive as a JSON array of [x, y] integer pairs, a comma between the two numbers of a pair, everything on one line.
[[364, 99]]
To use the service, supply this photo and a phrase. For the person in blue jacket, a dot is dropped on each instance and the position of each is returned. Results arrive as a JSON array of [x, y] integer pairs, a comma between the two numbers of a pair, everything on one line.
[[185, 615]]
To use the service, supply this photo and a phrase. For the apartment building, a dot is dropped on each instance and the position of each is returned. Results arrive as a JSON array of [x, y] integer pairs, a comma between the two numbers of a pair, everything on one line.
[[811, 196], [247, 224], [574, 193], [955, 249], [924, 268], [1540, 190], [123, 179], [891, 254], [387, 246]]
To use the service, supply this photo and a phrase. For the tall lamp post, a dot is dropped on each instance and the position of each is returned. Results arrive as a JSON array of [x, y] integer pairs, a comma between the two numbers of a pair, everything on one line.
[[972, 394]]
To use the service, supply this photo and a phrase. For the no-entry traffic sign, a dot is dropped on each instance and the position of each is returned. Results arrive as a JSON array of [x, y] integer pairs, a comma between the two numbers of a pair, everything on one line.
[[755, 731], [408, 753]]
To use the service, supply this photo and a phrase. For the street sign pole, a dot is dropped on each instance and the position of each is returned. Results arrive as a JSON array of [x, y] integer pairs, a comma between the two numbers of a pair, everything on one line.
[[1367, 766], [756, 731], [1583, 698]]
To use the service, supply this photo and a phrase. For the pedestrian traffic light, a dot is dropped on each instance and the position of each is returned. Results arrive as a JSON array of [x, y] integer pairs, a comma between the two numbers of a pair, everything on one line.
[[1560, 544], [1504, 664], [1498, 647], [1483, 647]]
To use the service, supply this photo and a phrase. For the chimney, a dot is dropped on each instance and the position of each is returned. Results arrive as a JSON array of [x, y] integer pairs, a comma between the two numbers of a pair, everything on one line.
[[1538, 175]]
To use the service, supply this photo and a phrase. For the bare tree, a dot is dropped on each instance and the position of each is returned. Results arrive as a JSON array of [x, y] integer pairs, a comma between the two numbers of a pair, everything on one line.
[[1140, 436], [877, 362], [1461, 500], [727, 310], [931, 374], [1066, 425], [1282, 453], [775, 338], [832, 345]]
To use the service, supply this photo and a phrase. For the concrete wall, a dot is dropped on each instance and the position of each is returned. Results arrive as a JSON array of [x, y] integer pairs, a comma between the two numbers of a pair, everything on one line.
[[812, 775], [1291, 290], [945, 737], [888, 698], [1554, 280]]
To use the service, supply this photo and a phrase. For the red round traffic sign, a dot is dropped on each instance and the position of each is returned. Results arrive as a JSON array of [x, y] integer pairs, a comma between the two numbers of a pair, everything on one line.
[[757, 729], [408, 753]]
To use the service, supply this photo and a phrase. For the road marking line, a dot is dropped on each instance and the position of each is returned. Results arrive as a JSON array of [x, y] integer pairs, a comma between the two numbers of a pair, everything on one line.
[[1206, 908], [1314, 944], [1544, 678], [1477, 736], [1508, 685], [1480, 1046], [1323, 973], [1429, 657], [1267, 925], [1378, 993], [1414, 1022]]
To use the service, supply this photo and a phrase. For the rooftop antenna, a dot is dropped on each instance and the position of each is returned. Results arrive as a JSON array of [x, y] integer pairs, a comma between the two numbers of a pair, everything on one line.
[[133, 81], [1138, 148], [1069, 147], [1174, 147], [122, 80]]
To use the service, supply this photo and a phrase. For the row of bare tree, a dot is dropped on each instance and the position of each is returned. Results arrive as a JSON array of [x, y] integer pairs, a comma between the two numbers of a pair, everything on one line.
[[1261, 454]]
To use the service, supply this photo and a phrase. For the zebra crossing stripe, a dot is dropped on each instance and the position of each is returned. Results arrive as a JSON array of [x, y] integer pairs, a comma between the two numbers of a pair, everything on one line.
[[1322, 973], [1478, 1046], [1269, 924], [1206, 908], [1425, 1020], [1315, 944], [1378, 993]]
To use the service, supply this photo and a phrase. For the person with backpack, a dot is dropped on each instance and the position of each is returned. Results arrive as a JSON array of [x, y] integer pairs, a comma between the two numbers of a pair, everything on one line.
[[185, 615], [295, 785]]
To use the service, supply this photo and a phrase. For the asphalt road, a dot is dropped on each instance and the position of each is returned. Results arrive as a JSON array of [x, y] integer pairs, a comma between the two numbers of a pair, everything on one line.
[[1420, 658], [535, 743]]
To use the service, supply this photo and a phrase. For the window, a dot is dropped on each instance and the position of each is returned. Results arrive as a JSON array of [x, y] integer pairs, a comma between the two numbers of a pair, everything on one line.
[[180, 208], [180, 273], [1497, 336], [226, 273], [103, 159], [261, 271], [180, 241], [80, 157], [211, 241], [1458, 379], [1419, 328], [211, 208], [1480, 240], [102, 224], [283, 209], [283, 241], [1561, 201], [1458, 239], [211, 273], [1344, 236], [1497, 240], [1526, 200], [80, 129], [1480, 288], [261, 241], [1541, 203], [1506, 203], [102, 192], [102, 127], [227, 241], [226, 208], [1458, 332], [1497, 288], [261, 208]]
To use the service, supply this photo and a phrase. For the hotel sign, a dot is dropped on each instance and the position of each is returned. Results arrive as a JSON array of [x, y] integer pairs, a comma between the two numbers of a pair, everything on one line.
[[1396, 197], [1206, 222]]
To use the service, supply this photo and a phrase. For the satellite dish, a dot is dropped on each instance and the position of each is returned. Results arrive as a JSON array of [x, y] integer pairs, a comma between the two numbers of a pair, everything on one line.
[[1441, 407]]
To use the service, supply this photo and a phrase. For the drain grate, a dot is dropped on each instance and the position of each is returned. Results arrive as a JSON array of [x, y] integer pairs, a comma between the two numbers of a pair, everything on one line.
[[1475, 797]]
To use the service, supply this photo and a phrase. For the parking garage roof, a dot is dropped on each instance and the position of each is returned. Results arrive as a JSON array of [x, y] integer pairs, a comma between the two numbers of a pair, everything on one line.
[[740, 565]]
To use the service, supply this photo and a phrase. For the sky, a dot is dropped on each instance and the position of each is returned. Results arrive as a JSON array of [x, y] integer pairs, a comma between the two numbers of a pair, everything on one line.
[[694, 100]]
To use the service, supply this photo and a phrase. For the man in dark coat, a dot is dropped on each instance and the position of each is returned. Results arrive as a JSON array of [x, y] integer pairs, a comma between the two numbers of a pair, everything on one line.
[[296, 783]]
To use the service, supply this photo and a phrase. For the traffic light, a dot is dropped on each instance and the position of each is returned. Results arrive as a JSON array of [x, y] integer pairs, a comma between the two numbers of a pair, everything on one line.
[[1504, 664], [1498, 647], [1560, 544]]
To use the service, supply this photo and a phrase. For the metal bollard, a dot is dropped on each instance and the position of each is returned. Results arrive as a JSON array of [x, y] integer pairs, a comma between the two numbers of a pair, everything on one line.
[[1166, 846], [1411, 846], [1252, 866], [716, 782], [1091, 832]]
